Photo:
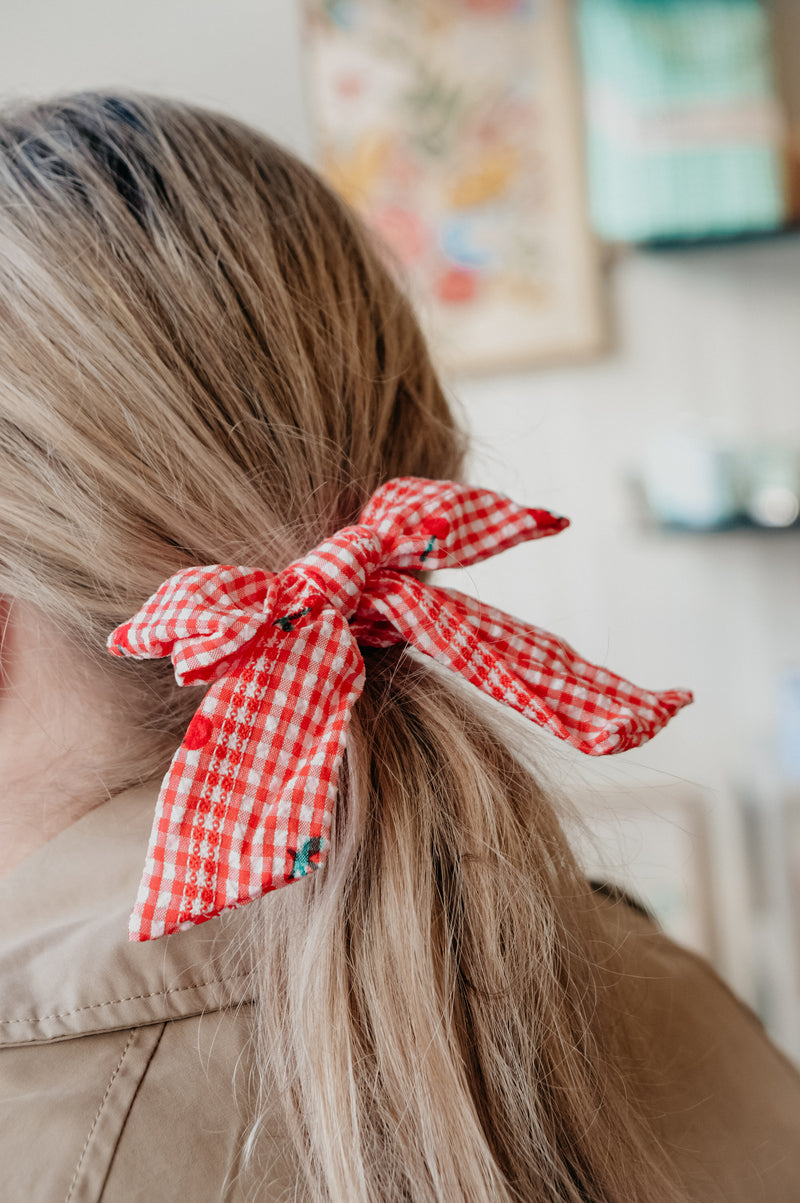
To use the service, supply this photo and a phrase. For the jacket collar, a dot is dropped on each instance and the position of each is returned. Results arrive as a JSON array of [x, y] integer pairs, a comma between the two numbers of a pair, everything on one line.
[[66, 966]]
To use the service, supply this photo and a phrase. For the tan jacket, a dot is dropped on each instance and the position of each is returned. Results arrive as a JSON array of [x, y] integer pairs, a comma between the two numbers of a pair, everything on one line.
[[123, 1066]]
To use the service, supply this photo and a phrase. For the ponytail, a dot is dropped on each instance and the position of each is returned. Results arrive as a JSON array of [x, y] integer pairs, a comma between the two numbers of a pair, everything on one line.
[[432, 1007]]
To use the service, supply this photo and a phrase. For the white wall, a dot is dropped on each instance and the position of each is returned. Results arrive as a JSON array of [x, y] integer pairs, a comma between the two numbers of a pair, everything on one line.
[[716, 333], [239, 55]]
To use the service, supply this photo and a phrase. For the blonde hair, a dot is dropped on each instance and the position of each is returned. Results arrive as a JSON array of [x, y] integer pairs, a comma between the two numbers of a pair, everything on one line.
[[203, 359]]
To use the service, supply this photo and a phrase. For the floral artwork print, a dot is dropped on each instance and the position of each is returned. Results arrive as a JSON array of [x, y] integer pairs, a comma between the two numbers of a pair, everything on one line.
[[450, 125]]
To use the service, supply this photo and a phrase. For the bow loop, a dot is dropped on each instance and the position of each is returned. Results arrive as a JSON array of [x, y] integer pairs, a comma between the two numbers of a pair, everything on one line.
[[442, 524], [201, 617]]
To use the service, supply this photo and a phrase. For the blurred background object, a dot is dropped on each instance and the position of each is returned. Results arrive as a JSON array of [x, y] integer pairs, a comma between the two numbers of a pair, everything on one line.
[[785, 15], [697, 399], [693, 480], [685, 134]]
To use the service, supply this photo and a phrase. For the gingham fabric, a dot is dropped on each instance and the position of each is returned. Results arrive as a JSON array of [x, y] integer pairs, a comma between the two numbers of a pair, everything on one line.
[[247, 803]]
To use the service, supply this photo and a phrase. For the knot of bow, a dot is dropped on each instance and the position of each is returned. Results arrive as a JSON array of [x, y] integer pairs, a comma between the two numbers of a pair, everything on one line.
[[247, 803]]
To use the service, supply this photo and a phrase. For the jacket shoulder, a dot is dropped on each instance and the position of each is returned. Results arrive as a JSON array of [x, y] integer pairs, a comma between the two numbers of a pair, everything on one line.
[[190, 1119], [155, 1111], [724, 1101], [79, 1092]]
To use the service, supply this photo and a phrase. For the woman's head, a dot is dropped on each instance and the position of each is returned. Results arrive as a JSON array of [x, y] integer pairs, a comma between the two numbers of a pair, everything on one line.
[[202, 358]]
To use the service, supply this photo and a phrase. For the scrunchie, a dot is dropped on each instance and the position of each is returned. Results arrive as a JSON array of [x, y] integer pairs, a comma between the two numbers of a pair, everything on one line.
[[246, 806]]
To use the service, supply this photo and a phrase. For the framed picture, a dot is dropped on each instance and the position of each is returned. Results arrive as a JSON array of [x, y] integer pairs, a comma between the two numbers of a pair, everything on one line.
[[773, 813], [654, 843], [452, 126]]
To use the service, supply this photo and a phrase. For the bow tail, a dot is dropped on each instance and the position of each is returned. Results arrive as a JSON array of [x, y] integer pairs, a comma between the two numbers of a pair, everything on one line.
[[584, 704], [246, 806]]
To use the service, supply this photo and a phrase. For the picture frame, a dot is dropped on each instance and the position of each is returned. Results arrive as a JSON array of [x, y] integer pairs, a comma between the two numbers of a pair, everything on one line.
[[654, 843]]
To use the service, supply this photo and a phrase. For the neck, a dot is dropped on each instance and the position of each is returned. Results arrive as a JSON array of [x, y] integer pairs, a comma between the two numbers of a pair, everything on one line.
[[56, 745]]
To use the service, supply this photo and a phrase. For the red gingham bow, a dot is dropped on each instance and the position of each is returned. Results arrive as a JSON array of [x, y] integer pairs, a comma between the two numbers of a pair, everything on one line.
[[247, 803]]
